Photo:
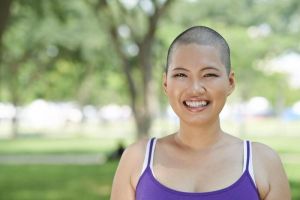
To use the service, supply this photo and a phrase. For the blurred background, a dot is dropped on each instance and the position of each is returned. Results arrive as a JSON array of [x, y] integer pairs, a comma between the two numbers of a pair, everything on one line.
[[80, 80]]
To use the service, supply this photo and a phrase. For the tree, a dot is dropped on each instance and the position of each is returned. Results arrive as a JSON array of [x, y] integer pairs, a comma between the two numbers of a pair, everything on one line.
[[45, 56], [132, 30], [4, 16]]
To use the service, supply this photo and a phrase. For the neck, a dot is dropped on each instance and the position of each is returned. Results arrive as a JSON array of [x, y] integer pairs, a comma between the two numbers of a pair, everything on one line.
[[197, 137]]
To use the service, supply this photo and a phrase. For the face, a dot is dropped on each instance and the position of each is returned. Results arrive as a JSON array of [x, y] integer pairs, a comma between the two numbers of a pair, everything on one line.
[[197, 83]]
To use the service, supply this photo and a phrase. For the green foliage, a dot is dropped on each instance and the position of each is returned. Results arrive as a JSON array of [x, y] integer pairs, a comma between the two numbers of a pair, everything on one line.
[[60, 50], [57, 51]]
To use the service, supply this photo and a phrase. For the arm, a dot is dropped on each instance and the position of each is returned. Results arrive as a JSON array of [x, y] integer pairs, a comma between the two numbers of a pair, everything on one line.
[[275, 185], [127, 173]]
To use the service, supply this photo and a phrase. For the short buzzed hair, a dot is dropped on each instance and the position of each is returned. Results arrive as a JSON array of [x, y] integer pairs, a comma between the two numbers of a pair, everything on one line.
[[202, 35]]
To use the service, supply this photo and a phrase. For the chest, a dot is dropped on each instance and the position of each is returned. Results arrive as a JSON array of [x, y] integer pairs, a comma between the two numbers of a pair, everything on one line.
[[198, 173]]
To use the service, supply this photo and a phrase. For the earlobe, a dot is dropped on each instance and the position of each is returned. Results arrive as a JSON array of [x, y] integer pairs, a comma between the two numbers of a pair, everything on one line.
[[164, 82], [231, 83]]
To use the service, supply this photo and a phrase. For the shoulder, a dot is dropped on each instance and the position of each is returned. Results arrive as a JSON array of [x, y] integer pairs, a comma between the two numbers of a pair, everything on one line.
[[265, 153], [135, 151], [128, 171], [133, 158], [269, 171], [133, 155]]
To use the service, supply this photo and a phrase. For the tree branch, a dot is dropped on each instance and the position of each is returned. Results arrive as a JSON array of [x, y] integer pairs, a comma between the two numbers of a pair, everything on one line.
[[153, 20], [125, 64]]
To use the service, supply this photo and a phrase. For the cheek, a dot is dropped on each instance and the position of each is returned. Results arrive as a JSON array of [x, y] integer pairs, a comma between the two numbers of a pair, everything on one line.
[[220, 94], [219, 87], [174, 91]]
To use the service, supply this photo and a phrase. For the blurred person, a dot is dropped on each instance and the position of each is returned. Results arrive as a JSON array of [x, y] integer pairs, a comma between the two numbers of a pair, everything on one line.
[[199, 161], [116, 154]]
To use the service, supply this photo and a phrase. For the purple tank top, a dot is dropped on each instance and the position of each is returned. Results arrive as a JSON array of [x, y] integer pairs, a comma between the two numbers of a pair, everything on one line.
[[148, 188]]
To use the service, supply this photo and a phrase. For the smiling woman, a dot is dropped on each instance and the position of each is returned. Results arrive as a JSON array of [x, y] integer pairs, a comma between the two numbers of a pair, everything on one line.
[[196, 81], [200, 161]]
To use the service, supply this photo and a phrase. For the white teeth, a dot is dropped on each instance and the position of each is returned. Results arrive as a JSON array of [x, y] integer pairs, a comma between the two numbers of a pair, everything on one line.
[[195, 104]]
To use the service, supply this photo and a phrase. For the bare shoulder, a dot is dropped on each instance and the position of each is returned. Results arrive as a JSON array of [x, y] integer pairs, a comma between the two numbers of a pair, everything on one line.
[[265, 153], [136, 150], [269, 173], [127, 173], [133, 156]]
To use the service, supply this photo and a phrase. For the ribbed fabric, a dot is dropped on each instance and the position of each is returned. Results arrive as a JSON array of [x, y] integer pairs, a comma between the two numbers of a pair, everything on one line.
[[149, 188]]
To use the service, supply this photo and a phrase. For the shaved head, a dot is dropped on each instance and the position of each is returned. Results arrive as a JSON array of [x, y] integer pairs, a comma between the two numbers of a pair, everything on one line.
[[202, 35]]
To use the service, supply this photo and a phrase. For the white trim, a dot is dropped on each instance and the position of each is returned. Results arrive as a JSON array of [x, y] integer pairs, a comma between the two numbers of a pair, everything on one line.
[[251, 171], [152, 154], [245, 156], [146, 157]]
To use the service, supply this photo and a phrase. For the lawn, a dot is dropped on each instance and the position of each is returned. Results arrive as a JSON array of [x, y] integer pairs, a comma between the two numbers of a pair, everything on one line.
[[55, 182], [37, 182]]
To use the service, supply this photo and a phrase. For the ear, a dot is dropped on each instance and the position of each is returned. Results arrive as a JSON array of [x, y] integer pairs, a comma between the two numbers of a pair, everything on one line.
[[231, 79], [164, 82]]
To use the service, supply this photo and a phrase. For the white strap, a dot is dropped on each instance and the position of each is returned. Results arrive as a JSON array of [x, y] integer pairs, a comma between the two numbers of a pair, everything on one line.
[[147, 155], [152, 154], [251, 171], [245, 156], [250, 167]]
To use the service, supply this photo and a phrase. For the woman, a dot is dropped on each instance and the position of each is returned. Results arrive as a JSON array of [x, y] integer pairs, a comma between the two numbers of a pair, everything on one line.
[[199, 161]]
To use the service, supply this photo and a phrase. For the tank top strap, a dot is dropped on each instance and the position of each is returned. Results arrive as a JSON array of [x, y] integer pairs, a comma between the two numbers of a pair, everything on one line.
[[151, 152], [248, 164], [148, 160]]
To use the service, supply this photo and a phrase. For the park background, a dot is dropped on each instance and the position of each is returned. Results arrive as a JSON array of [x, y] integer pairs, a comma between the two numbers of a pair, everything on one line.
[[80, 78]]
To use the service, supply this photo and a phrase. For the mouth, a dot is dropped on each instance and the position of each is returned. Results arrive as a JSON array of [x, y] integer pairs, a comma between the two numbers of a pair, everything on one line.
[[196, 105]]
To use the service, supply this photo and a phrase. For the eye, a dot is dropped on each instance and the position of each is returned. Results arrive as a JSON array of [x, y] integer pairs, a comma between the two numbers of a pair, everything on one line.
[[180, 75], [211, 75]]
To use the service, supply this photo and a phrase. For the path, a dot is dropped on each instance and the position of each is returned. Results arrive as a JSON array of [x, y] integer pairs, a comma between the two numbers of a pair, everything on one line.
[[77, 159], [88, 159]]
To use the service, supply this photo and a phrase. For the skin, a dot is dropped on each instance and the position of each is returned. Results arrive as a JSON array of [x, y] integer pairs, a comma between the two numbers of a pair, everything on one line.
[[207, 158]]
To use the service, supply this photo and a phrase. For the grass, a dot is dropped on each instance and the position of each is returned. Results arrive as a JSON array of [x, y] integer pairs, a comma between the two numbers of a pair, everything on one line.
[[293, 172], [45, 182], [54, 182], [36, 182]]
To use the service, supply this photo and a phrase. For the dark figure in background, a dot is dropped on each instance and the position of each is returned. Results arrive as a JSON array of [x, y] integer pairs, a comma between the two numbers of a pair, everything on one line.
[[116, 155]]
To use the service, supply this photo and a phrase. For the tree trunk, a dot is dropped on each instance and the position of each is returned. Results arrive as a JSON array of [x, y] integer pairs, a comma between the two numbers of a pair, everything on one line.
[[143, 124], [14, 91], [15, 101], [15, 124], [141, 89]]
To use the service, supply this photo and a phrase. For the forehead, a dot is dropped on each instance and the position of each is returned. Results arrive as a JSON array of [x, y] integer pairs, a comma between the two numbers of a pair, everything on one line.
[[195, 55]]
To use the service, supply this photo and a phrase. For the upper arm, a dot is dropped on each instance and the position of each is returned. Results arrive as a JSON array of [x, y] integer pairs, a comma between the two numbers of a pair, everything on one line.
[[275, 185], [129, 166]]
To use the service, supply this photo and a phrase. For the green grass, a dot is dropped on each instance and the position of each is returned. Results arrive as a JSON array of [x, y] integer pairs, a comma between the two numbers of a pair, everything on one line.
[[36, 182], [293, 172], [39, 182], [22, 182]]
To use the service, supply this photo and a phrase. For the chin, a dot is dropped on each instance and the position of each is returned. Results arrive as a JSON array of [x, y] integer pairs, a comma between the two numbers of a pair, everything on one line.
[[197, 121]]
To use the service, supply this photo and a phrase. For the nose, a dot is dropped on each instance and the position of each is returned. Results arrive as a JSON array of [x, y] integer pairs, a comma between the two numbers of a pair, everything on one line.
[[198, 87]]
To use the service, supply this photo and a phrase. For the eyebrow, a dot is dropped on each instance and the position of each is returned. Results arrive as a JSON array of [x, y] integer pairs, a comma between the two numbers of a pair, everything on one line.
[[205, 68], [179, 68]]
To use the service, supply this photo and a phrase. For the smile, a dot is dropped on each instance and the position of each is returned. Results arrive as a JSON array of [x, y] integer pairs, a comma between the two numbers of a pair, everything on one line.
[[196, 104]]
